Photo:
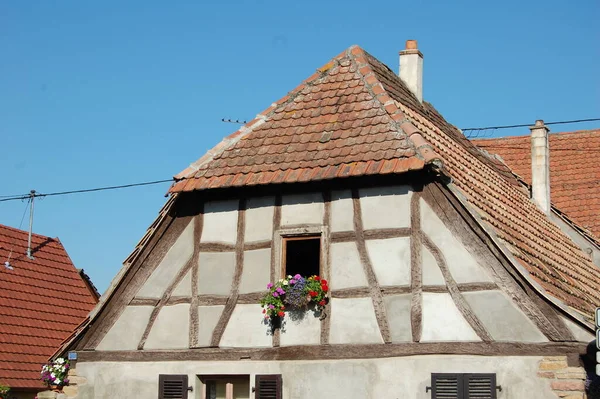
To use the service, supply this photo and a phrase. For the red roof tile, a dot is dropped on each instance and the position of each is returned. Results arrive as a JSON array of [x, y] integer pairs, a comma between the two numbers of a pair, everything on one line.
[[574, 185], [41, 302], [335, 119], [356, 101]]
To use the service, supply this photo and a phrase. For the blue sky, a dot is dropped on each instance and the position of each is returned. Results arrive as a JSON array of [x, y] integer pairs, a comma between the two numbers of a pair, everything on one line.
[[113, 92]]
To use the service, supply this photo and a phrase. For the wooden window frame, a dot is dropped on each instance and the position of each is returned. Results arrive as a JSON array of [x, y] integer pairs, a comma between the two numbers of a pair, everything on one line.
[[301, 233], [229, 380]]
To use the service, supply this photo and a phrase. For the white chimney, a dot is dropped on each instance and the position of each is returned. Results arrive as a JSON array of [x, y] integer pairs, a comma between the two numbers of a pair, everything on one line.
[[540, 165], [411, 68]]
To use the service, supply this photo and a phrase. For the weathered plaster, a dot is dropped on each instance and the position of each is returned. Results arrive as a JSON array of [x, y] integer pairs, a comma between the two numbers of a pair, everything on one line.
[[432, 275], [184, 288], [385, 207], [501, 318], [398, 313], [442, 321], [302, 209], [177, 256], [220, 221], [246, 328], [580, 334], [391, 260], [346, 268], [125, 334], [215, 273], [342, 211], [256, 271], [461, 263], [208, 316], [300, 328], [353, 321], [396, 378], [259, 219], [171, 328]]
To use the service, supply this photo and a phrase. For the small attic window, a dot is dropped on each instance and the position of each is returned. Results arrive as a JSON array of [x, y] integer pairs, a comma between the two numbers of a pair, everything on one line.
[[302, 255]]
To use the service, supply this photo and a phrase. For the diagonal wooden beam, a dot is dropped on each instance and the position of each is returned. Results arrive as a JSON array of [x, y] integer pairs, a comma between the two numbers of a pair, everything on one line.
[[374, 290], [237, 276]]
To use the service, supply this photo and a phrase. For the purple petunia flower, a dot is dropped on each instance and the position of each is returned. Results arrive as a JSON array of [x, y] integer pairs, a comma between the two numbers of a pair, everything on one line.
[[297, 277], [275, 294], [292, 281], [271, 307], [269, 286]]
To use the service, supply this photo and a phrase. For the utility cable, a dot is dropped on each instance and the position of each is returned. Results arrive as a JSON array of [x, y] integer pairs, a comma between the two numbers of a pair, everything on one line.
[[88, 190]]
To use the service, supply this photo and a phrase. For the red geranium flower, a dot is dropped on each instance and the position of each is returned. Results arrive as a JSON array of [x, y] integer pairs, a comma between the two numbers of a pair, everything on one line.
[[312, 293], [325, 288], [322, 303], [280, 314], [323, 282], [317, 278]]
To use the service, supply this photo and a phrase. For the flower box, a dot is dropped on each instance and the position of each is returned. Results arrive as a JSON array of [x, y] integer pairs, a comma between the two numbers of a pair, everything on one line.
[[294, 293]]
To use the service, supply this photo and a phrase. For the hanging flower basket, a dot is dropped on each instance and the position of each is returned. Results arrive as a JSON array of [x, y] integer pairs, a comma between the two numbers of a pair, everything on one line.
[[293, 293], [54, 374]]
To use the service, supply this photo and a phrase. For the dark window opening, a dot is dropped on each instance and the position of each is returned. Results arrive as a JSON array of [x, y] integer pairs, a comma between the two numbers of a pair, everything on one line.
[[302, 256]]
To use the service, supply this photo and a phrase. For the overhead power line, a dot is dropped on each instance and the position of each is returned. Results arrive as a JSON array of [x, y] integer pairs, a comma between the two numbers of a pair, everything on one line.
[[88, 190], [530, 124]]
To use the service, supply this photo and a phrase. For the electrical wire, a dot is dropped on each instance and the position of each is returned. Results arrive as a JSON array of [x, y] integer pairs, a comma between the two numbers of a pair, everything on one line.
[[88, 190], [529, 124]]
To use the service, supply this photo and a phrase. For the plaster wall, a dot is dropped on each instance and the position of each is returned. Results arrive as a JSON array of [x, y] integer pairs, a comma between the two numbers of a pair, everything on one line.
[[442, 321], [259, 219], [220, 221], [398, 378], [346, 267], [127, 331], [177, 256], [385, 207], [462, 264], [170, 329]]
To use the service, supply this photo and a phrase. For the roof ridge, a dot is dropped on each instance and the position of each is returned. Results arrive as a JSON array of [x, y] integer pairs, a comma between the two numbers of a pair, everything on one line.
[[423, 149], [261, 117], [3, 226]]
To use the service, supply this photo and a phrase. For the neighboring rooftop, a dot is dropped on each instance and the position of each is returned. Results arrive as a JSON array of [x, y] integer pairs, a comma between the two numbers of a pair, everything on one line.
[[574, 175], [354, 117], [41, 302]]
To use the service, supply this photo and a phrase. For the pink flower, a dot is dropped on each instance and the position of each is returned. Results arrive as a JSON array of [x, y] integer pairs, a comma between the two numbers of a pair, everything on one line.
[[275, 294], [297, 277], [269, 286]]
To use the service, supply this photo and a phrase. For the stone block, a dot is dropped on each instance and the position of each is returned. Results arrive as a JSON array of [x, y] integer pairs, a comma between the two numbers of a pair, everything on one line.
[[553, 365], [568, 385], [545, 374], [47, 395], [572, 373]]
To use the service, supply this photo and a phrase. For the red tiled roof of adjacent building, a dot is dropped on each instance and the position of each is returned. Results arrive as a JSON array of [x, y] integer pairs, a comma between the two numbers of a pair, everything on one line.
[[355, 117], [42, 300], [574, 183]]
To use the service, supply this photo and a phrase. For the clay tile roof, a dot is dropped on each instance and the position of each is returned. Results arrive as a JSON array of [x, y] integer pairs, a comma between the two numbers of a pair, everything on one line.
[[574, 180], [41, 302], [330, 126], [354, 113]]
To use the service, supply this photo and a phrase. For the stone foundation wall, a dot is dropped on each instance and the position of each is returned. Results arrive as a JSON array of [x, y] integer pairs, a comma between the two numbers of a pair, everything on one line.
[[567, 382]]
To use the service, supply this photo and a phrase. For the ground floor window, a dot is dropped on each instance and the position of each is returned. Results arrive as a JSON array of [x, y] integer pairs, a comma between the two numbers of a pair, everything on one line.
[[226, 387], [463, 386]]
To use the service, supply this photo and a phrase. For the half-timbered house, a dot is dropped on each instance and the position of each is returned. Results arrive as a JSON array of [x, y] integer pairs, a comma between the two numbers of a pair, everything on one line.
[[446, 280]]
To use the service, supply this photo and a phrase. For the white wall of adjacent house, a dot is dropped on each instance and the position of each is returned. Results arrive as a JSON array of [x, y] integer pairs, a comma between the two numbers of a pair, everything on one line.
[[400, 378], [352, 320]]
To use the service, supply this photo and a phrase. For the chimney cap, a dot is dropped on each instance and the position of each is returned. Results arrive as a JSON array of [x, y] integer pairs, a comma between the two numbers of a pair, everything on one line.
[[539, 124], [411, 45]]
